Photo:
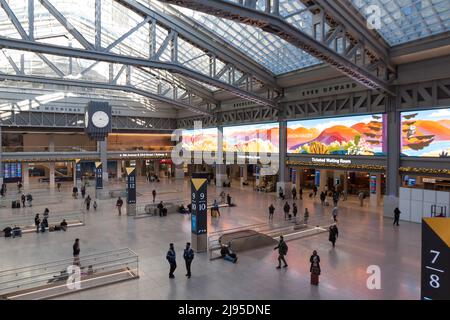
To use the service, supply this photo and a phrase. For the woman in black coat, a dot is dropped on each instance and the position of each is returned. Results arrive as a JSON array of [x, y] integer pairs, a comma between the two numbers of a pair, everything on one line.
[[315, 268], [333, 234]]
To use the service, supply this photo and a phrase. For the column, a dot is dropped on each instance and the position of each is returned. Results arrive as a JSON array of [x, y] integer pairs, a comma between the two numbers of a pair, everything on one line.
[[179, 172], [102, 147], [283, 172], [221, 170], [298, 178], [156, 167], [119, 169], [345, 182], [25, 175], [52, 176], [1, 163], [51, 143], [138, 167], [323, 180], [74, 173], [243, 173], [393, 126]]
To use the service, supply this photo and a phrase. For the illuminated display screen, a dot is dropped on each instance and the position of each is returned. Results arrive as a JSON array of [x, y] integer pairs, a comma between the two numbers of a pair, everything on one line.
[[12, 170], [426, 133], [355, 135], [200, 140], [252, 138]]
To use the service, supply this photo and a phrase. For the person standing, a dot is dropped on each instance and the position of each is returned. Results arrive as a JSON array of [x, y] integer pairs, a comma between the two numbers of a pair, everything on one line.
[[37, 222], [294, 210], [229, 199], [94, 205], [83, 191], [323, 197], [300, 192], [119, 205], [188, 256], [315, 268], [59, 186], [281, 193], [294, 193], [76, 252], [46, 213], [75, 192], [160, 207], [87, 201], [282, 252], [314, 191], [271, 211], [397, 213], [171, 258], [334, 212], [333, 234], [154, 195], [286, 209], [361, 198]]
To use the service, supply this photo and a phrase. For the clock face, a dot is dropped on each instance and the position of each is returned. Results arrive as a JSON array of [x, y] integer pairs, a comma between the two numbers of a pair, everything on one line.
[[100, 119]]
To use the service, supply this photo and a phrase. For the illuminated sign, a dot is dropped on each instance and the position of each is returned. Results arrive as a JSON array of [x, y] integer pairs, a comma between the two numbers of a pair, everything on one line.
[[331, 160], [252, 138], [144, 155]]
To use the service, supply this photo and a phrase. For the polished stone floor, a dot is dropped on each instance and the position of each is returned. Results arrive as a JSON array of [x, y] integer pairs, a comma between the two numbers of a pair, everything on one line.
[[366, 238]]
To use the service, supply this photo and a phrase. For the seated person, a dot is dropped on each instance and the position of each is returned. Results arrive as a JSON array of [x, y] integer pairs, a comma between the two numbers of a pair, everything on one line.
[[63, 225], [182, 210], [7, 231], [160, 208], [227, 254], [16, 232], [215, 209], [189, 206]]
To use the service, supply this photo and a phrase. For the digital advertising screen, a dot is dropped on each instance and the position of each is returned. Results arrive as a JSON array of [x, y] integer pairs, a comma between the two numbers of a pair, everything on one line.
[[200, 139], [252, 138], [12, 170], [354, 135], [426, 133]]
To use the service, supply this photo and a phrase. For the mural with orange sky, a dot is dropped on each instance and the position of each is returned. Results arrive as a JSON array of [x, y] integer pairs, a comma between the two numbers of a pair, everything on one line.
[[252, 138], [200, 139], [355, 135], [426, 133]]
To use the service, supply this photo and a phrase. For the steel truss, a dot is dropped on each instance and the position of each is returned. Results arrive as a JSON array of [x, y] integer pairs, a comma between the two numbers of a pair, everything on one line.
[[338, 37], [177, 80], [67, 120]]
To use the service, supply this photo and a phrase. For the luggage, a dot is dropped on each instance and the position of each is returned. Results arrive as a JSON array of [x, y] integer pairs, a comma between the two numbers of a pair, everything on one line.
[[164, 211], [289, 216], [7, 232]]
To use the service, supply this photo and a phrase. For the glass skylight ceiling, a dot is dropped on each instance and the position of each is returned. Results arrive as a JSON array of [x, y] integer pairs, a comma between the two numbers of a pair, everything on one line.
[[408, 20], [268, 50]]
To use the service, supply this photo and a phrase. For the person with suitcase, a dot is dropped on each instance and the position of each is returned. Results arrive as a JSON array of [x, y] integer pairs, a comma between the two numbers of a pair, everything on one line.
[[315, 268], [282, 252], [286, 209], [171, 258], [188, 256]]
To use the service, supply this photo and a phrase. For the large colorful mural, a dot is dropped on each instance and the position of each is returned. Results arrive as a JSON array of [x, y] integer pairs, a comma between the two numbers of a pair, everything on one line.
[[355, 135], [200, 139], [426, 133], [252, 138]]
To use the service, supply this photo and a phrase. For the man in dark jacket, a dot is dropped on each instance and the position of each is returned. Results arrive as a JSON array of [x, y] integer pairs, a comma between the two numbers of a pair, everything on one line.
[[170, 256], [323, 197], [282, 252], [286, 209], [160, 207], [294, 193], [76, 252], [37, 222], [154, 195], [188, 256], [294, 210], [271, 211], [396, 216], [333, 234]]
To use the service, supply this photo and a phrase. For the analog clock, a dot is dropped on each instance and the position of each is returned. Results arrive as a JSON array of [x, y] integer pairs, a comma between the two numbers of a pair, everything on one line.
[[100, 119]]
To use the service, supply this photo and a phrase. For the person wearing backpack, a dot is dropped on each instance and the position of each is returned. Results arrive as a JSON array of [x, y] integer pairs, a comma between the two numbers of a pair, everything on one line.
[[171, 258], [188, 256], [282, 252]]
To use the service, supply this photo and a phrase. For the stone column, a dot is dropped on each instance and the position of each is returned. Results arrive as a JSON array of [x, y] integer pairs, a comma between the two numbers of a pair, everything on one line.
[[244, 175], [298, 178], [345, 182], [221, 170], [323, 180], [102, 148], [138, 167], [52, 176], [119, 169], [283, 172], [1, 153], [392, 125], [179, 172], [25, 175], [156, 167]]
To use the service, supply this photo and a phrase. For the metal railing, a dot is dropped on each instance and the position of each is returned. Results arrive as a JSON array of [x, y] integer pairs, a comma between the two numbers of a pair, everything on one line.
[[51, 279], [47, 149]]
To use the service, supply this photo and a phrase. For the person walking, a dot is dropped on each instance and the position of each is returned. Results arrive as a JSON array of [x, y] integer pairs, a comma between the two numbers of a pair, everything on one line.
[[333, 234], [361, 198], [286, 209], [83, 191], [322, 197], [281, 193], [119, 205], [75, 192], [154, 195], [294, 210], [335, 198], [300, 192], [188, 256], [314, 191], [271, 211], [76, 252], [315, 268], [87, 201], [171, 258], [334, 212], [294, 193], [397, 213], [282, 252], [37, 222], [94, 205], [306, 216], [23, 199], [46, 213], [59, 186]]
